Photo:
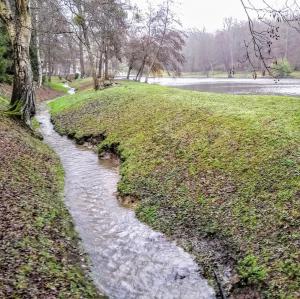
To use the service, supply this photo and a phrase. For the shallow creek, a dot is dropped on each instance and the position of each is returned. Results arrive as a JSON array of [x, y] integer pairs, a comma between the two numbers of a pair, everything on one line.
[[129, 259]]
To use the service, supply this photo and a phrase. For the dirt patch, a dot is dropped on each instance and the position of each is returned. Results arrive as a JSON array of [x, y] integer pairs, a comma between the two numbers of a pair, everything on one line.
[[42, 94], [45, 94]]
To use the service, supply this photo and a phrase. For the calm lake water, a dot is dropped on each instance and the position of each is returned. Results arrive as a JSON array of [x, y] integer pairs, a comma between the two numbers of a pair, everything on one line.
[[290, 87]]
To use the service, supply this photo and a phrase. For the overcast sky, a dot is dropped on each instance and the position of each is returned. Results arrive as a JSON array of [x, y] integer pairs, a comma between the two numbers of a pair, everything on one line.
[[204, 13], [211, 13]]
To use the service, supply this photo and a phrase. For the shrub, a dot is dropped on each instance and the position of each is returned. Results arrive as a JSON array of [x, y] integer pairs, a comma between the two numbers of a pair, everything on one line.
[[282, 68]]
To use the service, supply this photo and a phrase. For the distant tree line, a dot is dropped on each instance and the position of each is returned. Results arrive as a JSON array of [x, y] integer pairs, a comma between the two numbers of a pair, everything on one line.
[[227, 50]]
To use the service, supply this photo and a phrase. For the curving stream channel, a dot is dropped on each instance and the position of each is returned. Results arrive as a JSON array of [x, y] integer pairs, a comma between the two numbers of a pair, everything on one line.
[[129, 259]]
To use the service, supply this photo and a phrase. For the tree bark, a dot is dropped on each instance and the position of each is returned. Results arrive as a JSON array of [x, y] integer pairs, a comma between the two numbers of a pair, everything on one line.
[[19, 27]]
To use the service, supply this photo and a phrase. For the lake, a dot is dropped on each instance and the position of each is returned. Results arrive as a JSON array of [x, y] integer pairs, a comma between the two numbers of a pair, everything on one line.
[[290, 87]]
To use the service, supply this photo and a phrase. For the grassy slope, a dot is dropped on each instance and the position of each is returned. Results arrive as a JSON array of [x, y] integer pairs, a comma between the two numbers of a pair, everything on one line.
[[57, 85], [39, 256], [206, 165]]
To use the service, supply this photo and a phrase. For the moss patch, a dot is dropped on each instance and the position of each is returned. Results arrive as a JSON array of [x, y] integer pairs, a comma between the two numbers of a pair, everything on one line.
[[39, 247], [206, 166]]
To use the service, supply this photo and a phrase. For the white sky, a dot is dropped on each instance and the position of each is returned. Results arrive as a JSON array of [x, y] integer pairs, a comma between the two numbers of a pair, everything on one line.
[[204, 13], [209, 13]]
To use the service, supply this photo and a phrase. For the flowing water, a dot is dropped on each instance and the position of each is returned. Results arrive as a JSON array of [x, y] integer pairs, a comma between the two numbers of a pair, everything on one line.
[[129, 260], [289, 87]]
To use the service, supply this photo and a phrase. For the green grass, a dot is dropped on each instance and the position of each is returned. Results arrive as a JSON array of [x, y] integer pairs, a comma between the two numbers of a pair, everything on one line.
[[3, 103], [40, 256], [206, 166], [57, 85]]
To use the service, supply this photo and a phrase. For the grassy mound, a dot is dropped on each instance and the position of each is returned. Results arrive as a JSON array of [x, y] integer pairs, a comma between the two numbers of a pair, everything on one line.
[[213, 167], [39, 249]]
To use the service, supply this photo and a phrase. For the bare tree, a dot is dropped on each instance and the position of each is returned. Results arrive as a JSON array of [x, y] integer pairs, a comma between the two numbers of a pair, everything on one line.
[[263, 38], [156, 43]]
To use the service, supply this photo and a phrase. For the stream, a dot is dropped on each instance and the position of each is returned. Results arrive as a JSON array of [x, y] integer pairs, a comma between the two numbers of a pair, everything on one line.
[[129, 259]]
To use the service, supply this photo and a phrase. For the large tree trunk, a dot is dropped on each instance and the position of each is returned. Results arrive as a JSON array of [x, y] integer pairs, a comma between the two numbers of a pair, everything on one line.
[[23, 95]]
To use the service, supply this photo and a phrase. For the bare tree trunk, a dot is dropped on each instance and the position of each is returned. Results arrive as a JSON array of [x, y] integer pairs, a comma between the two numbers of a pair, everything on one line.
[[141, 71], [138, 73], [90, 55], [106, 76], [72, 62], [37, 44], [129, 71], [23, 95], [82, 68], [100, 65], [48, 58]]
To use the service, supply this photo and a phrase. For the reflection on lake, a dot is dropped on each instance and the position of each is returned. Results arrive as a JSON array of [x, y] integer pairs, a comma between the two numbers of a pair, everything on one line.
[[289, 87]]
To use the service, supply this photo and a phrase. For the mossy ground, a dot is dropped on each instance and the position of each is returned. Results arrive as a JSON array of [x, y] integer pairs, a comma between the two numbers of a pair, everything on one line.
[[39, 247], [212, 167]]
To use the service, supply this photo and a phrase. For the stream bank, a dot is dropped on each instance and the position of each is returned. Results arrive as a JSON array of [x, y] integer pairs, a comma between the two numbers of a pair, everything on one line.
[[40, 253], [206, 167], [129, 260]]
